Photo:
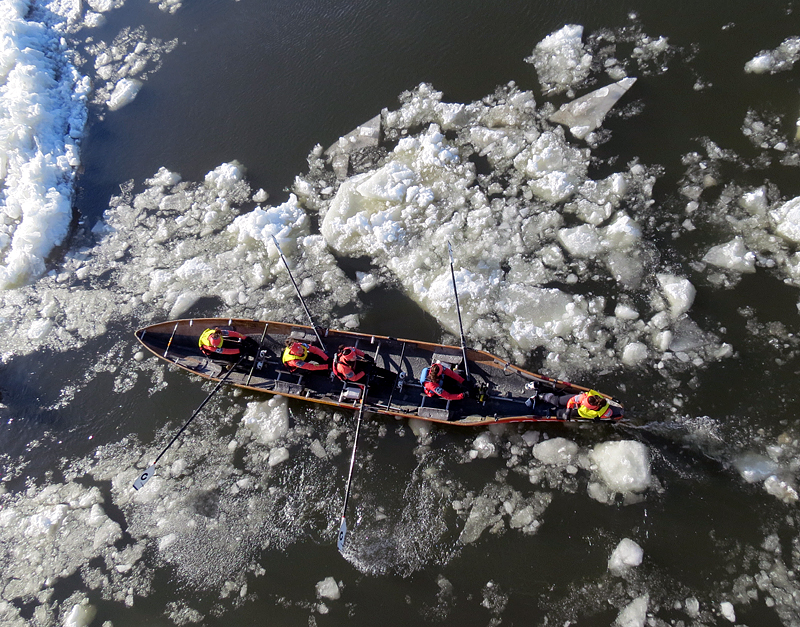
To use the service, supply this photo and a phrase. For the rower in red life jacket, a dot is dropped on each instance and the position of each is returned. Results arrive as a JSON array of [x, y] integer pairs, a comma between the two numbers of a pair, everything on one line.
[[589, 405], [351, 364], [439, 380], [302, 356], [226, 344]]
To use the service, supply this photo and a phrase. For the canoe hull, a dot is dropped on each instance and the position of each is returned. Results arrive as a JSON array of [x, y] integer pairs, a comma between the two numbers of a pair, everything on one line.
[[502, 386]]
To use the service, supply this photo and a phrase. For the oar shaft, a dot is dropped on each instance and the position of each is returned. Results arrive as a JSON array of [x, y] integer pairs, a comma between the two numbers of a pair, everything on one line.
[[299, 295], [343, 523], [458, 311], [197, 411], [143, 478]]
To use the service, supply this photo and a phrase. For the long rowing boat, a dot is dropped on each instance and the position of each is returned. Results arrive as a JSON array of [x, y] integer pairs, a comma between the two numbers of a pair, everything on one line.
[[501, 391]]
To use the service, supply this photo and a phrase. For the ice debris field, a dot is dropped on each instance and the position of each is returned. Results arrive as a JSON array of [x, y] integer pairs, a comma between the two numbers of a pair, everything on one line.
[[505, 179]]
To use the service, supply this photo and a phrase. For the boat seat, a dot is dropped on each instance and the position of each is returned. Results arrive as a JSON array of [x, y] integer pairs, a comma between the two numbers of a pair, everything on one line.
[[350, 393], [283, 374], [447, 358], [301, 335]]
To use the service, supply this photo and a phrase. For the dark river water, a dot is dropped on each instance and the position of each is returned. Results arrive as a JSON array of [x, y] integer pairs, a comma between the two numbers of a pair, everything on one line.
[[446, 526]]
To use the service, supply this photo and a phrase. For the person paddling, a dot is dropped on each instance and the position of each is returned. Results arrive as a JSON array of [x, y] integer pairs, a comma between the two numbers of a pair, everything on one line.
[[589, 405], [351, 364], [303, 356], [441, 381], [226, 344]]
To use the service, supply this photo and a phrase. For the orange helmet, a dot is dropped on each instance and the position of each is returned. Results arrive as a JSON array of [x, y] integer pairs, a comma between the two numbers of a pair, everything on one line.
[[296, 349], [215, 339], [595, 400], [348, 354]]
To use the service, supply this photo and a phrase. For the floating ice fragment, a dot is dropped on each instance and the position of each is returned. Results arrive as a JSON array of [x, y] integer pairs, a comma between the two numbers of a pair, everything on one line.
[[42, 116], [268, 421], [625, 312], [365, 136], [581, 241], [626, 555], [561, 60], [679, 292], [278, 456], [80, 615], [482, 515], [634, 353], [732, 256], [634, 614], [787, 219], [39, 329], [782, 489], [556, 451], [726, 609], [328, 589], [483, 446], [623, 466], [780, 59], [585, 114], [124, 93]]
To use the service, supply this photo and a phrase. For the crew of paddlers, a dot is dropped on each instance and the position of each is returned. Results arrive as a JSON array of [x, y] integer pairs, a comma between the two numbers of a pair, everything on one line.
[[352, 365]]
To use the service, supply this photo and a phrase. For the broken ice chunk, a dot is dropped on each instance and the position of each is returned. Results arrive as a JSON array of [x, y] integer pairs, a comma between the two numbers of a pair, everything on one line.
[[585, 114]]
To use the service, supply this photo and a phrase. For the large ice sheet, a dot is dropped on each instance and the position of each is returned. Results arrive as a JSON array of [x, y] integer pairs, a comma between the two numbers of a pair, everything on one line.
[[42, 115]]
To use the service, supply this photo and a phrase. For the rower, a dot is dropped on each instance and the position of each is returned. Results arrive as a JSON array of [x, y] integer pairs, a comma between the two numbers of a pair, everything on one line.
[[226, 344], [304, 356], [440, 381], [589, 405], [351, 364]]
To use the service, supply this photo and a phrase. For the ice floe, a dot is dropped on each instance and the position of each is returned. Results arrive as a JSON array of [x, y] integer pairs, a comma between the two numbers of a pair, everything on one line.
[[780, 59], [561, 60], [42, 117]]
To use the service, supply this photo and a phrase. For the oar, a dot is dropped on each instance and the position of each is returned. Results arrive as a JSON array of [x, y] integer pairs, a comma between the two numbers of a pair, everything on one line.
[[343, 524], [145, 476], [458, 311], [170, 339], [299, 295]]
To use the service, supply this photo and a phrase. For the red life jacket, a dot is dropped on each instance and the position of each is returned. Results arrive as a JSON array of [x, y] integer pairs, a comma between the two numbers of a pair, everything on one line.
[[434, 386], [207, 344], [585, 410], [296, 356], [344, 363]]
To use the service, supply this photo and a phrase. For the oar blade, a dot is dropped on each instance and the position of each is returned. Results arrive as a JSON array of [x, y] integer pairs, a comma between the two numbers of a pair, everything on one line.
[[144, 477], [342, 534]]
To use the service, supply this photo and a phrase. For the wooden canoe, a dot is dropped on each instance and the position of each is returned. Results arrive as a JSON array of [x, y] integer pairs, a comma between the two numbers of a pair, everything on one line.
[[499, 394]]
